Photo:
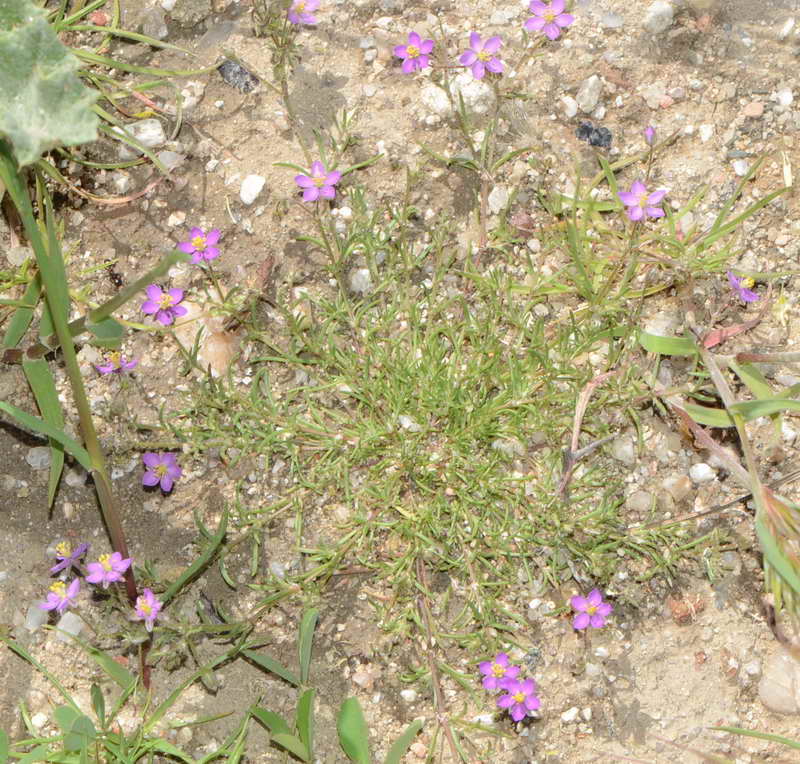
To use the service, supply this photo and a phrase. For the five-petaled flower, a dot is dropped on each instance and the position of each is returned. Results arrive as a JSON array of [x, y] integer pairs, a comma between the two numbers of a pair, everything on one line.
[[108, 569], [163, 305], [61, 596], [115, 363], [148, 607], [318, 183], [162, 469], [592, 611], [497, 672], [66, 557], [639, 204], [742, 286], [549, 19], [415, 54], [480, 56], [201, 244], [301, 11], [520, 699]]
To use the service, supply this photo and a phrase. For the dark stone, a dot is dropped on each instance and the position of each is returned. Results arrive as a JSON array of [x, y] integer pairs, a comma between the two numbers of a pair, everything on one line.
[[237, 76], [594, 136]]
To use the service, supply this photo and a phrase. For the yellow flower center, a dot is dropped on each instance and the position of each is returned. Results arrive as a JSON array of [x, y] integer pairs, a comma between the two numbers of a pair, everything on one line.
[[300, 7], [199, 242], [161, 470], [165, 301], [63, 549], [591, 609], [412, 51], [485, 56], [114, 358], [548, 16], [59, 588], [519, 697], [105, 561], [143, 605], [498, 670], [319, 181], [747, 282]]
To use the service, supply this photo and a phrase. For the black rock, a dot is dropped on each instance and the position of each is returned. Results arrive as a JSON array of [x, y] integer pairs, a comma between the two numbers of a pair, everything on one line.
[[594, 136], [237, 76]]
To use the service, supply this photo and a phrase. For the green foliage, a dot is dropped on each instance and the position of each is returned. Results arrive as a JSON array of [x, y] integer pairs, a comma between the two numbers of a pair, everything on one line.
[[44, 103]]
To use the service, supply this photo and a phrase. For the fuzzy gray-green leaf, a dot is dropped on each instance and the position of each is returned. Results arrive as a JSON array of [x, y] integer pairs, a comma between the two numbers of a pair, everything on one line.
[[44, 103]]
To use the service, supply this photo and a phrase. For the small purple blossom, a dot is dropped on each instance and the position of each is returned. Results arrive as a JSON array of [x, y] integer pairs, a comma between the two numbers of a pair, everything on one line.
[[201, 244], [162, 469], [61, 596], [640, 204], [741, 285], [108, 569], [498, 671], [163, 305], [301, 11], [415, 54], [520, 699], [115, 363], [318, 183], [549, 19], [592, 611], [66, 557], [148, 607], [649, 135], [480, 56]]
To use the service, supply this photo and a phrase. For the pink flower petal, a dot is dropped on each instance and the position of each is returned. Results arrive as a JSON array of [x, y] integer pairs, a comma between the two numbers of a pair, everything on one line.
[[426, 46], [468, 57], [581, 621], [493, 44], [475, 41], [414, 39], [176, 294], [534, 24], [537, 7], [557, 6], [628, 198], [564, 19], [332, 178], [213, 236], [594, 598], [401, 52], [178, 310], [635, 213], [579, 603], [150, 307], [495, 65], [311, 194], [478, 70], [187, 247], [654, 212], [551, 31], [317, 169], [303, 181], [153, 292], [327, 192], [638, 188]]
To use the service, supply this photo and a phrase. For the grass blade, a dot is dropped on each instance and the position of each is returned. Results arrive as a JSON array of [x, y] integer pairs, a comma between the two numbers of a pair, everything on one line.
[[40, 378], [400, 746], [307, 626], [353, 731], [761, 735], [71, 446], [271, 665], [305, 720], [201, 562]]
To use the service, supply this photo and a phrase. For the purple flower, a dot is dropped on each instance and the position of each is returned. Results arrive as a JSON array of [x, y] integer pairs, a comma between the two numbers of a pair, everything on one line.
[[162, 469], [592, 611], [108, 569], [742, 287], [163, 304], [115, 363], [649, 135], [549, 19], [415, 54], [148, 607], [201, 244], [66, 557], [300, 11], [318, 183], [640, 204], [520, 699], [61, 596], [480, 56], [497, 672]]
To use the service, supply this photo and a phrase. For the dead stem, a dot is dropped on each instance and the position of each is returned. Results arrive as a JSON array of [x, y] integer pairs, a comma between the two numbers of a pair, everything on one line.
[[430, 643]]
